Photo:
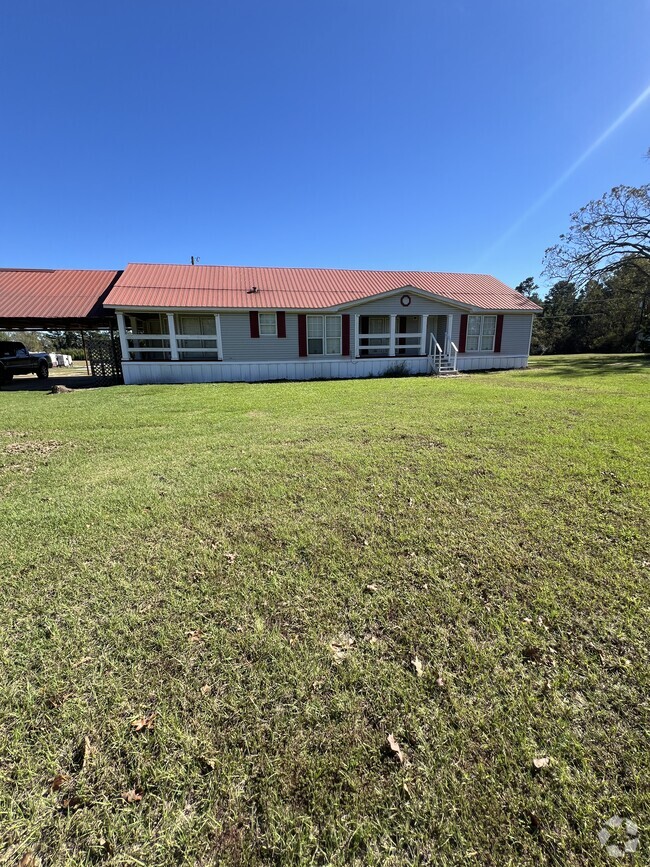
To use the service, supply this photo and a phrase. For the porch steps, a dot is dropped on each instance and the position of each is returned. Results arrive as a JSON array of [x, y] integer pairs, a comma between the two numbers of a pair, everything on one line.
[[445, 368]]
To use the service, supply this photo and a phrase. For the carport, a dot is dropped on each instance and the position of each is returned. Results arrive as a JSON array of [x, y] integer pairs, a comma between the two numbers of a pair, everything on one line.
[[64, 300]]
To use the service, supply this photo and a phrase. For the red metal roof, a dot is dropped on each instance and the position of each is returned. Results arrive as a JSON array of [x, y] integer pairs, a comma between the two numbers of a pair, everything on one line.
[[225, 287], [42, 294]]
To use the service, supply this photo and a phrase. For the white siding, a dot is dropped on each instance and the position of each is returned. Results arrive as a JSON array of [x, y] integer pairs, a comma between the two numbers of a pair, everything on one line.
[[491, 361], [142, 372]]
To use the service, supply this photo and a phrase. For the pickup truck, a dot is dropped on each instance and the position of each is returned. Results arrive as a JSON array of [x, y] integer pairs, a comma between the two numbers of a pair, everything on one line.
[[15, 359]]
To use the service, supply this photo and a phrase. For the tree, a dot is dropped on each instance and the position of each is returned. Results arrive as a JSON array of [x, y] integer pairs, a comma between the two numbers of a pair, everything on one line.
[[557, 329], [529, 288], [623, 323], [601, 234], [65, 341], [33, 340]]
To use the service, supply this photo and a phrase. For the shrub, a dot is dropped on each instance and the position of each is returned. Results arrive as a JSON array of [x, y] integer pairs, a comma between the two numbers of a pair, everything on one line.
[[400, 368]]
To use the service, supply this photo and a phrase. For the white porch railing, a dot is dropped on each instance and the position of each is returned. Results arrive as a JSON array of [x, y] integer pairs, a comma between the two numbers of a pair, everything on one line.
[[135, 341], [403, 341], [172, 346]]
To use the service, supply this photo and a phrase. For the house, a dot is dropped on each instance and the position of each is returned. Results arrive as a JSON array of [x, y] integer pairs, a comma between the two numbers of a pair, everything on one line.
[[198, 323]]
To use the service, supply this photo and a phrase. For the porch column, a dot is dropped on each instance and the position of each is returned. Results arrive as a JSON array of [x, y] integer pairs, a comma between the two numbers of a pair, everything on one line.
[[391, 341], [423, 334], [124, 343], [450, 320], [217, 326], [356, 335], [173, 345]]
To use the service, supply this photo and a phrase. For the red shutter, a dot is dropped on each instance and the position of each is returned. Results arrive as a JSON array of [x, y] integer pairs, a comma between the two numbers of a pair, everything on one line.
[[345, 334], [282, 323], [302, 335], [462, 337], [255, 323], [499, 332]]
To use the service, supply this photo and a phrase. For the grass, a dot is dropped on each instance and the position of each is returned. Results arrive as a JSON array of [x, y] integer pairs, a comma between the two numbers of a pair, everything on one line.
[[188, 555]]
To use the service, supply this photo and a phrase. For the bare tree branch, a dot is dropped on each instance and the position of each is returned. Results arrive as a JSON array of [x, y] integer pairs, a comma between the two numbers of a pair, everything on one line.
[[601, 234]]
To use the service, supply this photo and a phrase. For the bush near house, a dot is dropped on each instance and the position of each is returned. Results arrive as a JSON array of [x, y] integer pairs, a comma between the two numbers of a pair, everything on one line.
[[371, 622]]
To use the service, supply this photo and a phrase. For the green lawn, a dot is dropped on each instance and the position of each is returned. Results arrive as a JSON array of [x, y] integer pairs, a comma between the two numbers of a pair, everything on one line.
[[199, 558]]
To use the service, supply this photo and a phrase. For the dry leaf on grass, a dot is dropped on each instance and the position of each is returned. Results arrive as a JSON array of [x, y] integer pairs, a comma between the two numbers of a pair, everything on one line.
[[231, 558], [30, 859], [81, 754], [195, 635], [395, 749], [145, 723], [132, 796], [206, 689], [440, 681], [542, 762], [416, 662], [371, 588], [341, 648], [58, 781]]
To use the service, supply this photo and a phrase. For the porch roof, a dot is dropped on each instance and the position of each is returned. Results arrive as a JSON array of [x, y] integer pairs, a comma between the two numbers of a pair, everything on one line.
[[226, 287]]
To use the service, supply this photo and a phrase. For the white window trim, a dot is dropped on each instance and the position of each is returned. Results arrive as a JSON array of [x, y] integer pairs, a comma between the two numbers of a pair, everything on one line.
[[259, 323], [480, 335], [324, 338]]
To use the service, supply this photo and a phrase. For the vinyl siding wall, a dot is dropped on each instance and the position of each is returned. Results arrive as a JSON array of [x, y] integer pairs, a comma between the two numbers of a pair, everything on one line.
[[238, 345], [254, 359]]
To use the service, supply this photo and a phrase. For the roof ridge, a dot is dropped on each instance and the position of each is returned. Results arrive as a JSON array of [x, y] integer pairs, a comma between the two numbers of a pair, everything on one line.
[[312, 268]]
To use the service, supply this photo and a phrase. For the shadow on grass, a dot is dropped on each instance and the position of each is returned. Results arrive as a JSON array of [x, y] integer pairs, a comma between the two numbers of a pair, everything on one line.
[[589, 365]]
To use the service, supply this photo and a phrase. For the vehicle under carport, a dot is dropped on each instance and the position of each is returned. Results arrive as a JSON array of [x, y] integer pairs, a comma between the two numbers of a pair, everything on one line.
[[64, 300]]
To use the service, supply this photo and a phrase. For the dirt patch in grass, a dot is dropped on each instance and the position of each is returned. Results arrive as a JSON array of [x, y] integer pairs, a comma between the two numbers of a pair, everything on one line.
[[33, 448]]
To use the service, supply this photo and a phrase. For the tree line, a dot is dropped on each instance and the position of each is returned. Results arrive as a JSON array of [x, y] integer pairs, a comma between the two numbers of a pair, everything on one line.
[[600, 301], [611, 314]]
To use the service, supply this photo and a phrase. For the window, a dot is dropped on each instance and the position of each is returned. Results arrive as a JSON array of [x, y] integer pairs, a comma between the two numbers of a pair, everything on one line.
[[480, 333], [268, 325], [324, 335]]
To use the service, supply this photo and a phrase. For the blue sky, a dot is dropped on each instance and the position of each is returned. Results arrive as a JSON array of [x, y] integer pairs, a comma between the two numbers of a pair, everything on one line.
[[346, 133]]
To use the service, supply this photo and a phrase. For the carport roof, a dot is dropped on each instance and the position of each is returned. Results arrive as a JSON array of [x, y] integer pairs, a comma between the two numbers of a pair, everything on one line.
[[34, 298]]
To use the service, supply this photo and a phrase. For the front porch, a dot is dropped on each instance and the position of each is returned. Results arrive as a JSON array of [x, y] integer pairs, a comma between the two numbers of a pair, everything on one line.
[[177, 346], [399, 335], [169, 336]]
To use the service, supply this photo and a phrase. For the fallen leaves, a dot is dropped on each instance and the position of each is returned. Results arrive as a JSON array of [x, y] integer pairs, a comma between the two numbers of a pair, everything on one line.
[[195, 635], [371, 588], [74, 802], [206, 689], [58, 782], [145, 723], [395, 749], [541, 762], [30, 859], [341, 648], [416, 662], [133, 796], [82, 754]]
